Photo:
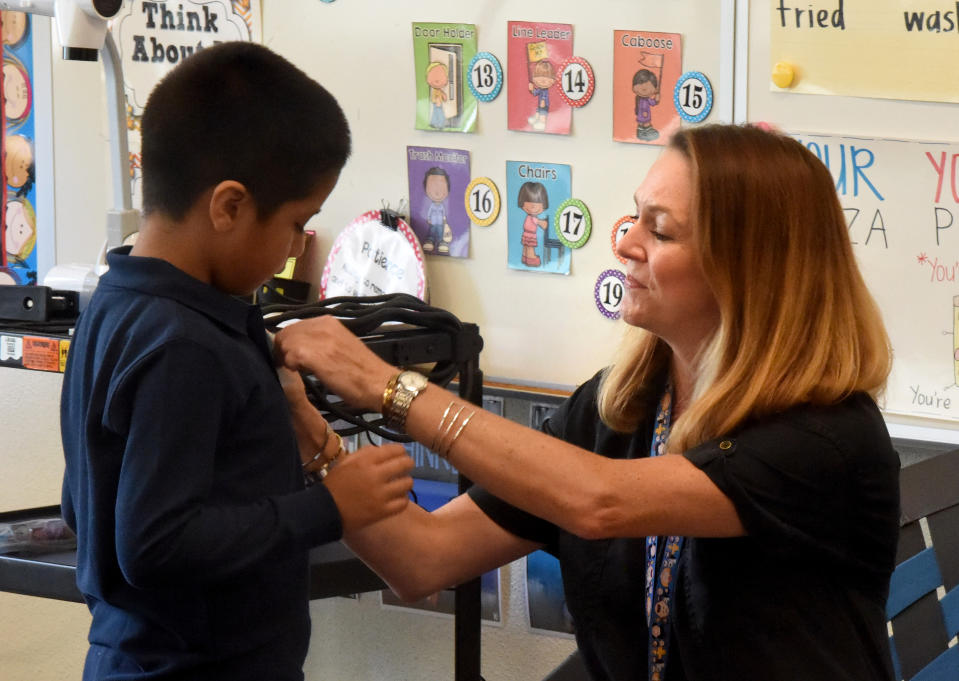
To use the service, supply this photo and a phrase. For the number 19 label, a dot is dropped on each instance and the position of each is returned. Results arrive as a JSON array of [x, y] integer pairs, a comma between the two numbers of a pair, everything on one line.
[[608, 293]]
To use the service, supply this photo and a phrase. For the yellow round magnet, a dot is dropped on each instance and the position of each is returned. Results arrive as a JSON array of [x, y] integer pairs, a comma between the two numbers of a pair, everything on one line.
[[784, 74]]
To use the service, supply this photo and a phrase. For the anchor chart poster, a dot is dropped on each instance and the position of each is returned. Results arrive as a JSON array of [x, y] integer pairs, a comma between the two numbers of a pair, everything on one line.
[[153, 37], [901, 201]]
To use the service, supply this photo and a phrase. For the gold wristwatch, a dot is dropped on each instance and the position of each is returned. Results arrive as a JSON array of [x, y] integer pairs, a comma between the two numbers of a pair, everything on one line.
[[399, 395]]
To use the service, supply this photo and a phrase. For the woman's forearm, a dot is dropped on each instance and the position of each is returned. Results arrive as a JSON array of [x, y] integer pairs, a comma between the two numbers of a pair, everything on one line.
[[419, 553]]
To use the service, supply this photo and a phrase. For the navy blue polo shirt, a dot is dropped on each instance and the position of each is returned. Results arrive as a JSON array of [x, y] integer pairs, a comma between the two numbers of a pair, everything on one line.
[[183, 484]]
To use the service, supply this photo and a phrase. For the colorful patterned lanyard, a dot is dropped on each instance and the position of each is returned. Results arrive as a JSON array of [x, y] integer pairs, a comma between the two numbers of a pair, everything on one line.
[[660, 596]]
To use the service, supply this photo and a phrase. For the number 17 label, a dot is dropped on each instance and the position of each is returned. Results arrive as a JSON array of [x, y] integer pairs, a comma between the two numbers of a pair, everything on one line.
[[572, 223]]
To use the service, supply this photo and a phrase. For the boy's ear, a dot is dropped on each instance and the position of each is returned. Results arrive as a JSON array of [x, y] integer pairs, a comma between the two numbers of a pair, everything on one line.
[[230, 202]]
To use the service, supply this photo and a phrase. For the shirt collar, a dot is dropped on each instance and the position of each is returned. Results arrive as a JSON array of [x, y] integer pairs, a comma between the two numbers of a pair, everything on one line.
[[156, 277]]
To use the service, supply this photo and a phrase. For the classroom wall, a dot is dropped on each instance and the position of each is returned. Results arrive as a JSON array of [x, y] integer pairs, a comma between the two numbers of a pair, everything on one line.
[[365, 59]]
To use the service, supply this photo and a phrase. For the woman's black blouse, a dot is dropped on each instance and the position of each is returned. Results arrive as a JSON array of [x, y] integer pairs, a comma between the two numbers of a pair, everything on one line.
[[802, 596]]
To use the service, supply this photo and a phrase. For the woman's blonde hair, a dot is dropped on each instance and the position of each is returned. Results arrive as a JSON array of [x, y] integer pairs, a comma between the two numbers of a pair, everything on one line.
[[797, 323]]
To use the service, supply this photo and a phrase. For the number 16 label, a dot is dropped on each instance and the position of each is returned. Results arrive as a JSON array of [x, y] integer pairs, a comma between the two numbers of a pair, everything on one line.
[[482, 201], [608, 293], [572, 223]]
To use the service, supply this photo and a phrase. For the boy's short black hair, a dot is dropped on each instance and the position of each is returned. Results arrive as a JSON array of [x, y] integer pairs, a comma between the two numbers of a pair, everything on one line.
[[238, 111]]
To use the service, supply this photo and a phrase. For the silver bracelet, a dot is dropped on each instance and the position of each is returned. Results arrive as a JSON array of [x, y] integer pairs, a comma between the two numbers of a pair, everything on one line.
[[449, 446], [439, 427]]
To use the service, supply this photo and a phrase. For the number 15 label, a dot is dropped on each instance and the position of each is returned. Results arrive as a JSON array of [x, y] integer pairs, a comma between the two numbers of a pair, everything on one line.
[[693, 96]]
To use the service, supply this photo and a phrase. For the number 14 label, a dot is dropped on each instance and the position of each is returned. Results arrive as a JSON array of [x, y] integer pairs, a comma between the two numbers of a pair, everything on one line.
[[576, 82]]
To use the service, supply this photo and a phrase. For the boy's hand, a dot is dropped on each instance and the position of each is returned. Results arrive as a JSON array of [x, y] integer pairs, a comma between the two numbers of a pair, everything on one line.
[[370, 484]]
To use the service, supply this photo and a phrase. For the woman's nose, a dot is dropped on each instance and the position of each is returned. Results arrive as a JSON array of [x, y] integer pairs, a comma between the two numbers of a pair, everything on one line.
[[629, 246]]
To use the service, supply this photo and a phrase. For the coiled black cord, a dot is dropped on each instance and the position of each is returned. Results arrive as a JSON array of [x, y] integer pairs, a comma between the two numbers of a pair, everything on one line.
[[365, 317]]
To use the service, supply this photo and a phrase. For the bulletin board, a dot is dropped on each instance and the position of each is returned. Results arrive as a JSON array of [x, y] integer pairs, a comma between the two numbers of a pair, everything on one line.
[[536, 311], [894, 159]]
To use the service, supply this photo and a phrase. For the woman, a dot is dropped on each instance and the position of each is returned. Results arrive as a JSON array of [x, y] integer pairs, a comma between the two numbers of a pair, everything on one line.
[[772, 513]]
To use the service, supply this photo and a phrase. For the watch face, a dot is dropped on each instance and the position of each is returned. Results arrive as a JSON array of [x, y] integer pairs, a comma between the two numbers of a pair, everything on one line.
[[413, 381]]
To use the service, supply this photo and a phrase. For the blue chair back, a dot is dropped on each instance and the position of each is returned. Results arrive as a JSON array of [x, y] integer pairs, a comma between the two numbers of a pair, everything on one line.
[[923, 605]]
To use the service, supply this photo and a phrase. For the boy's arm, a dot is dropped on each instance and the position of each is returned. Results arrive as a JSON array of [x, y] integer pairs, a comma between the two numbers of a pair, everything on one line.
[[167, 529]]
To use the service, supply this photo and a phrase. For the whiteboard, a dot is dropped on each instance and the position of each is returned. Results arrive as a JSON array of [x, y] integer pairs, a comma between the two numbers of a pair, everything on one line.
[[914, 293]]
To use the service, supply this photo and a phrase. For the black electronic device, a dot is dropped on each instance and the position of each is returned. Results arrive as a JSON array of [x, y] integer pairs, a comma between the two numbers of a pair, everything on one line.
[[37, 304]]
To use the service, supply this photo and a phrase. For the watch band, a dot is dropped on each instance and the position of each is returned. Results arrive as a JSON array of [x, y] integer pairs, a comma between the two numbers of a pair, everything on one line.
[[388, 396], [399, 395]]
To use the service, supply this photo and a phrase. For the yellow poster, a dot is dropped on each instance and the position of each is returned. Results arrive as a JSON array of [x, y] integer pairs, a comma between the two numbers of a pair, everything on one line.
[[891, 49]]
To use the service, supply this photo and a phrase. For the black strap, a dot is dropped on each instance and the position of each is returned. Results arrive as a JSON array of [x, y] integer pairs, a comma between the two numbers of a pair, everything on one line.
[[367, 316]]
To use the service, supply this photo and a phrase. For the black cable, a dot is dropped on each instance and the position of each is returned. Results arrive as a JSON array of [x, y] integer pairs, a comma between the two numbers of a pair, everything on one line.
[[365, 317]]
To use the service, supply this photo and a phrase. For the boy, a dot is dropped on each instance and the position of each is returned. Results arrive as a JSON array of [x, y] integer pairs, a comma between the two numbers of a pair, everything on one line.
[[183, 476]]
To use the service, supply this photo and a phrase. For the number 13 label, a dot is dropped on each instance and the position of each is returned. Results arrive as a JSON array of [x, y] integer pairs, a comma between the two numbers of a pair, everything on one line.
[[485, 76], [572, 223], [608, 293], [482, 201]]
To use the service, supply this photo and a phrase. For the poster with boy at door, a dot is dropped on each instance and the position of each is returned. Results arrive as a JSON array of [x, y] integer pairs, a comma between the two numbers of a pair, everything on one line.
[[533, 192], [534, 57], [441, 55], [438, 180], [646, 67]]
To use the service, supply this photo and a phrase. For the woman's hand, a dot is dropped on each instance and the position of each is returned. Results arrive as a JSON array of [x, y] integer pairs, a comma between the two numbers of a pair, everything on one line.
[[325, 348]]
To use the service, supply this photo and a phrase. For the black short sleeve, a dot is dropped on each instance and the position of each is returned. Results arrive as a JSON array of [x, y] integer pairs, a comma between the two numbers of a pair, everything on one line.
[[573, 421], [813, 481]]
